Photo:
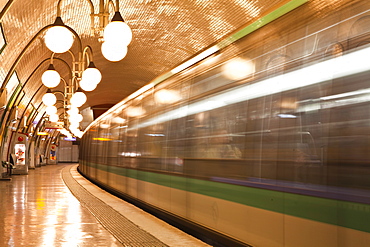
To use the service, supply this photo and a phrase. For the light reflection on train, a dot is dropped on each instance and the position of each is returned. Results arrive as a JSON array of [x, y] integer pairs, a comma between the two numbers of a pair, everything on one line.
[[262, 151]]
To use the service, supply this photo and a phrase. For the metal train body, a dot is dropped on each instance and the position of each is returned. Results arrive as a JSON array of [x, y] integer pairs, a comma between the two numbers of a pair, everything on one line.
[[275, 156]]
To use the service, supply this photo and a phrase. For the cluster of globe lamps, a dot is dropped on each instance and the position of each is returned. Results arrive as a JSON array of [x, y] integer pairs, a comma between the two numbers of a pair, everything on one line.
[[59, 39]]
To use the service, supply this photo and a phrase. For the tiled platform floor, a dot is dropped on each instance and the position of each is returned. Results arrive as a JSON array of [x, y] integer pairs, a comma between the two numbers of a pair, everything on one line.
[[38, 209]]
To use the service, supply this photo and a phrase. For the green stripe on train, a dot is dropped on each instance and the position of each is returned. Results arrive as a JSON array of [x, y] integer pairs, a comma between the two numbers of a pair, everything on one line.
[[346, 214]]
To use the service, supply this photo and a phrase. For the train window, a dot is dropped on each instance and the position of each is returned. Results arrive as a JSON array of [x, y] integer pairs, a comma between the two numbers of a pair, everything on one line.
[[166, 96], [215, 134], [114, 141], [159, 145], [359, 33], [176, 145], [151, 145], [148, 104]]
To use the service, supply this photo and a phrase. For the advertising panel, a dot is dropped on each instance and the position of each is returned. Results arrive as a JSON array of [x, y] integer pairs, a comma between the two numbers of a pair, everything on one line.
[[20, 154]]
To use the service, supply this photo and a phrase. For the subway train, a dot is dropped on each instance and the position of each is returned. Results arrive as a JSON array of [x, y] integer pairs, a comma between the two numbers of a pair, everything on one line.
[[263, 139]]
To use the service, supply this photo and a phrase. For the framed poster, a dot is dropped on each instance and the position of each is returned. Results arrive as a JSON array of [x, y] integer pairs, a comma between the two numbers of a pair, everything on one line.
[[2, 39], [12, 85]]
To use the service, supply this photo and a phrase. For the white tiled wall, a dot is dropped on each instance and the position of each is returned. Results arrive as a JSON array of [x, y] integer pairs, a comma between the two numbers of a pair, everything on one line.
[[67, 152]]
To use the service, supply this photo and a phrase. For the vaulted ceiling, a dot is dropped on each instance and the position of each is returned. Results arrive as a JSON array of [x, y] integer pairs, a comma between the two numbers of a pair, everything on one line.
[[165, 33]]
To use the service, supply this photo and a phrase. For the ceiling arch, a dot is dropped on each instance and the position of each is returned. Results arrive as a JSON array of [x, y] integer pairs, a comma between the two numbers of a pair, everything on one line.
[[165, 33]]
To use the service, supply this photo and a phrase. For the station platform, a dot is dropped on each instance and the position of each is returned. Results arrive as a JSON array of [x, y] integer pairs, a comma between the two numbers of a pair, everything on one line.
[[55, 206]]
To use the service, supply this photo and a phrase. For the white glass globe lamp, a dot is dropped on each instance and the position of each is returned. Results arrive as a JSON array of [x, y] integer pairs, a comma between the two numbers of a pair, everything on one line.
[[118, 31], [59, 38], [78, 99], [79, 134], [91, 74], [86, 86], [73, 126], [51, 110], [64, 132], [72, 111], [113, 52], [75, 118], [54, 118], [49, 99], [50, 78]]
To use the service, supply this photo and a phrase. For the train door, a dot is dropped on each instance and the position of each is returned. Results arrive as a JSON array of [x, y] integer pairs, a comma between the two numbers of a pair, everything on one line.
[[130, 153], [101, 151], [93, 160]]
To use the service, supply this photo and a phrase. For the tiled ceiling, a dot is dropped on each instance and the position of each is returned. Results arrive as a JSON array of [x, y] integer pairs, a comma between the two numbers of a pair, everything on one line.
[[165, 33]]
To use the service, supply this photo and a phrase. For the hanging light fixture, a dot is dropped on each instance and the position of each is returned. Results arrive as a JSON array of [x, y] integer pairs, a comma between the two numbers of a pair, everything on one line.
[[113, 51], [117, 31], [117, 36], [75, 118], [51, 110], [74, 126], [50, 78], [86, 86], [78, 99], [59, 38], [54, 118], [49, 98], [92, 74], [72, 111]]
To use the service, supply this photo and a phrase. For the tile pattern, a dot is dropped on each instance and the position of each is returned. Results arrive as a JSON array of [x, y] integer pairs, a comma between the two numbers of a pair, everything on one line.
[[124, 230]]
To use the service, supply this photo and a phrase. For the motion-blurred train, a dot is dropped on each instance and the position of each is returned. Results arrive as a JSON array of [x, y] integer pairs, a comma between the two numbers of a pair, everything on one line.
[[260, 140]]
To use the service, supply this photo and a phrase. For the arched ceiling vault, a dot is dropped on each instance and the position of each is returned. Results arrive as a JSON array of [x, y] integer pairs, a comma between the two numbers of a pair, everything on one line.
[[165, 33]]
